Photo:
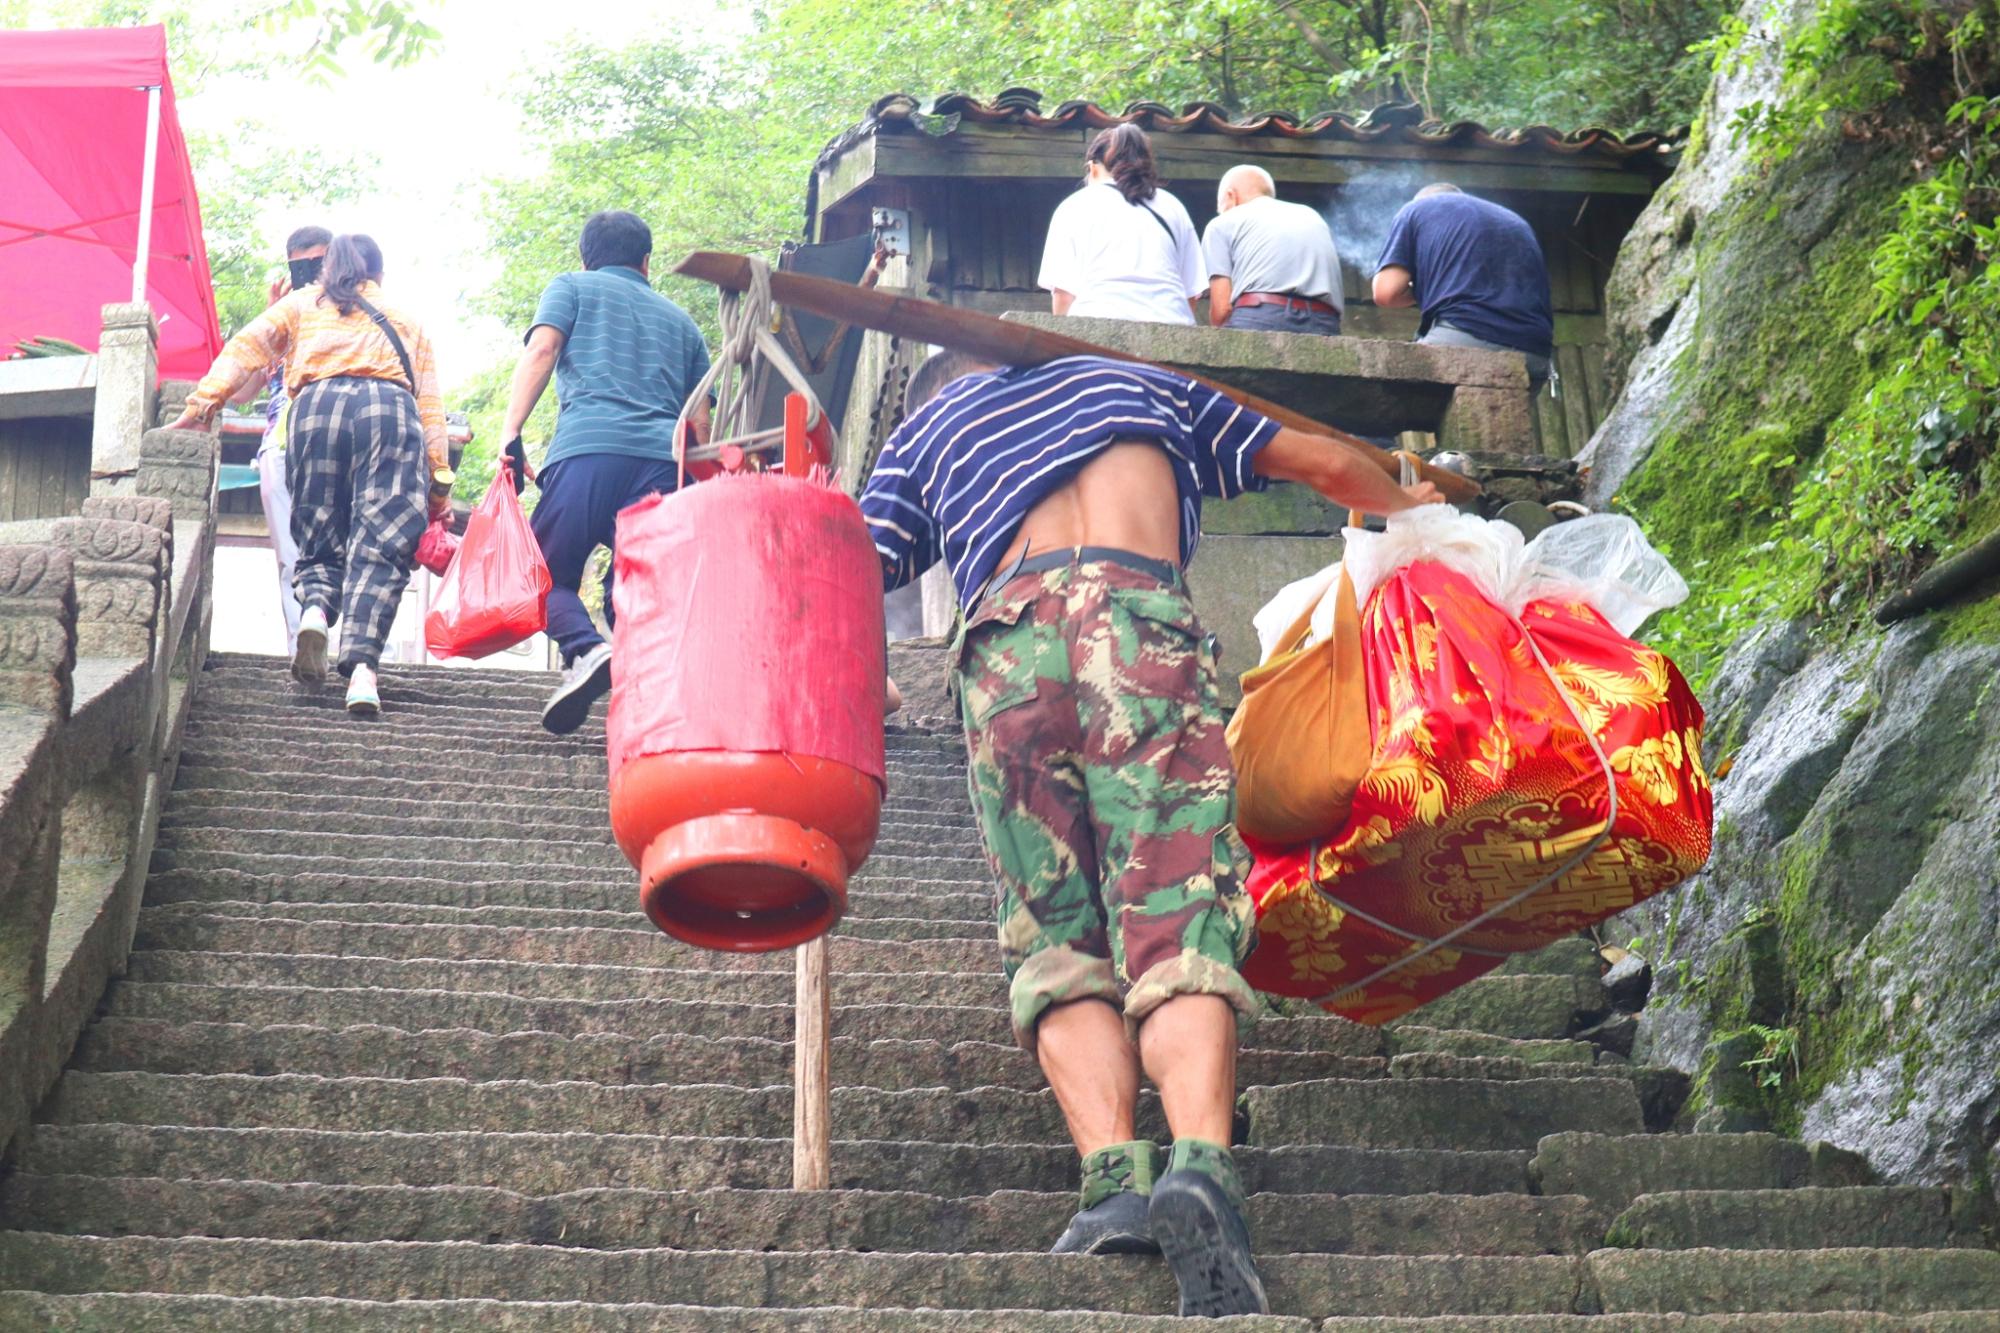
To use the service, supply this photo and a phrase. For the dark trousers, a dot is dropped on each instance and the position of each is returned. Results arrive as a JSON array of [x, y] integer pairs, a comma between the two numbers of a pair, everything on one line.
[[1284, 319], [356, 468], [577, 513]]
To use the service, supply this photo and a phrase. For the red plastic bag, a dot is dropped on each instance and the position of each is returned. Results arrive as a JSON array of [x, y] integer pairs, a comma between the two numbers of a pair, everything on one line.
[[438, 545], [496, 592]]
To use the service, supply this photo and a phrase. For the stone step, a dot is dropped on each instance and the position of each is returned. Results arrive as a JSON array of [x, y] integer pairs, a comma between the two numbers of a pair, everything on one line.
[[155, 1313], [1460, 1113], [1408, 1038], [1806, 1218], [199, 787], [1712, 1281], [620, 910], [416, 1011], [1358, 1113], [558, 1163], [1617, 1170], [611, 1219], [1575, 956], [1522, 1007], [1662, 1092], [312, 744], [174, 1047], [556, 981], [418, 817], [1308, 1285], [638, 946], [532, 856], [619, 895], [544, 862]]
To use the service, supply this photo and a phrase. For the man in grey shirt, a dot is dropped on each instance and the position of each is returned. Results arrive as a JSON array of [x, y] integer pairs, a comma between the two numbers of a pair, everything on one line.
[[1271, 265]]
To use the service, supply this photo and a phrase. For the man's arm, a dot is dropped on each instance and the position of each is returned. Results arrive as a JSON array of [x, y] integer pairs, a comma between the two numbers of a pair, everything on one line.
[[1060, 301], [1220, 297], [531, 377], [1338, 473], [1393, 288]]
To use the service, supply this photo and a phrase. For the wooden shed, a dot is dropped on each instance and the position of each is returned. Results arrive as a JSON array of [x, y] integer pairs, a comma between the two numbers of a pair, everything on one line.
[[977, 182]]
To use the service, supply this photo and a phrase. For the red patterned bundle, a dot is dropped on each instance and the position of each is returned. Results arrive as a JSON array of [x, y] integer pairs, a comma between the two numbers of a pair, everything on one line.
[[1532, 774]]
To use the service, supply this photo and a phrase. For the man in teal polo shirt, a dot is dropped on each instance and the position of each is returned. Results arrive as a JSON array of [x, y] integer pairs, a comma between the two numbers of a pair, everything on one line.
[[624, 359]]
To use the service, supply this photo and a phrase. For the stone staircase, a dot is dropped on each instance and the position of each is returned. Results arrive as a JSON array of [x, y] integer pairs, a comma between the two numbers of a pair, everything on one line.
[[397, 1051]]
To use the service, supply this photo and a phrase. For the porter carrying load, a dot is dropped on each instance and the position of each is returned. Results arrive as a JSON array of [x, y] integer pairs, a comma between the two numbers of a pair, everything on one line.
[[1533, 770]]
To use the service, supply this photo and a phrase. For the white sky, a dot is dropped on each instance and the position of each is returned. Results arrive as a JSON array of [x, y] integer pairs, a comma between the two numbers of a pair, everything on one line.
[[441, 128]]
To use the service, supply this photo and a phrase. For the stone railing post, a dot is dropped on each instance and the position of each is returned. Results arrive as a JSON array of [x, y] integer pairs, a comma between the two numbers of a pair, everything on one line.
[[121, 569], [37, 653], [128, 372], [178, 466]]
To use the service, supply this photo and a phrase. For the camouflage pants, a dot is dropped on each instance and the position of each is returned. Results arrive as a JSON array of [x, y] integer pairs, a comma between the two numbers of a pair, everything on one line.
[[1102, 784]]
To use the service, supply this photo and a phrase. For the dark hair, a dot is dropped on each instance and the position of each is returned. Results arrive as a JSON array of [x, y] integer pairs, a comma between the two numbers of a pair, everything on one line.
[[615, 239], [934, 374], [305, 238], [1127, 154], [350, 261]]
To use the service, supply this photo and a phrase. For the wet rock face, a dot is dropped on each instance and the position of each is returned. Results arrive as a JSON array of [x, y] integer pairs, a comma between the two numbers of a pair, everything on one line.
[[1854, 903]]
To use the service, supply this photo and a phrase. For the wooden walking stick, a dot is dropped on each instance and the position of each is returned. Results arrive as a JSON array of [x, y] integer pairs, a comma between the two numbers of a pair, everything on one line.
[[812, 1098], [1008, 344]]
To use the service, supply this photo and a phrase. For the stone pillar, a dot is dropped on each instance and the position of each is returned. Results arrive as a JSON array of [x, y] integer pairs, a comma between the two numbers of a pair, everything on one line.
[[37, 652], [128, 372], [1489, 420], [179, 466], [37, 628], [121, 568]]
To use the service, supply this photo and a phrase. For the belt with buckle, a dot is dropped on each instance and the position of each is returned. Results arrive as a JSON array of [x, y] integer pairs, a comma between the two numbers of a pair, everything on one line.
[[1280, 298], [1165, 571]]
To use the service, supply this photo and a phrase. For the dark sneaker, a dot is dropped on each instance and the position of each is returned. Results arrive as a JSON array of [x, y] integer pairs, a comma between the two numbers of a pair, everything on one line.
[[1118, 1225], [584, 682], [1207, 1245]]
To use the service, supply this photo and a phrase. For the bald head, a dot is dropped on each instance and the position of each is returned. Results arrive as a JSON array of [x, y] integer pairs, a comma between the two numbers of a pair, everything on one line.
[[1241, 184]]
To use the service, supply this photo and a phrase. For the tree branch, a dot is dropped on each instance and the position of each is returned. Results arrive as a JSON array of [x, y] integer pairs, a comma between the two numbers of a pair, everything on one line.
[[1321, 47]]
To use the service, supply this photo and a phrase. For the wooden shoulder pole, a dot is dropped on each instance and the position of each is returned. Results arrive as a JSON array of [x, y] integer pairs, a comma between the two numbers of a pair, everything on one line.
[[1009, 344], [812, 1097]]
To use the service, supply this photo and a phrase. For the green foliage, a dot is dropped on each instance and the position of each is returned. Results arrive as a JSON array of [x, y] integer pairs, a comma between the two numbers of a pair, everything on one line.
[[390, 32], [1820, 524], [1776, 1061], [249, 179]]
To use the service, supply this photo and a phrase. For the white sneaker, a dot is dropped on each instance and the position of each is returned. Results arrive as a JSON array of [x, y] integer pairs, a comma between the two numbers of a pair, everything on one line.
[[309, 657], [363, 700], [583, 682]]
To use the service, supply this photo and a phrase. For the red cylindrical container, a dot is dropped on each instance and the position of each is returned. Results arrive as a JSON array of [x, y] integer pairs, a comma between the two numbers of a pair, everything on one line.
[[745, 733]]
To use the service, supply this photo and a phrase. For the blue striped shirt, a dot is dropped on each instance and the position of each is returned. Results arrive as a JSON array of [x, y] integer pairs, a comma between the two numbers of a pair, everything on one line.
[[956, 480], [628, 360]]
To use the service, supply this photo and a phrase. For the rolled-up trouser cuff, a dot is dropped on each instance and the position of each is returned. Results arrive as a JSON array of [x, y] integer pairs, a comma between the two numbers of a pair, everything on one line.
[[1057, 975], [1189, 972]]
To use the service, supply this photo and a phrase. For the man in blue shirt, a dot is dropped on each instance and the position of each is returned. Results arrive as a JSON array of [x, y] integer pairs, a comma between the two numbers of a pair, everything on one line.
[[1065, 500], [1476, 270], [624, 359]]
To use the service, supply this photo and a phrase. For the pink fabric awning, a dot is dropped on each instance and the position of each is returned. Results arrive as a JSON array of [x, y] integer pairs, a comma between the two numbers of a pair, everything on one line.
[[72, 155]]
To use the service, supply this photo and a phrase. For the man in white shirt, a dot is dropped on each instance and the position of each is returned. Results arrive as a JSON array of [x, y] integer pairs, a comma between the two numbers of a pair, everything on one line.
[[1271, 265], [1121, 247]]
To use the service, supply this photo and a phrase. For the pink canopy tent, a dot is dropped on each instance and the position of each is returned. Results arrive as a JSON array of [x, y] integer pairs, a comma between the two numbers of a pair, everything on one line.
[[91, 212]]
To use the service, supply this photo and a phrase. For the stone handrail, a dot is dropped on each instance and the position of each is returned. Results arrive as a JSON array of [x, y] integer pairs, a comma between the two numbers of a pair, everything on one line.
[[104, 619]]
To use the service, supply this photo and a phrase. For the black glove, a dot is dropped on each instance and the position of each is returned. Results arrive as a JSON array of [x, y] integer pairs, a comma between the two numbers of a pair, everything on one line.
[[514, 457]]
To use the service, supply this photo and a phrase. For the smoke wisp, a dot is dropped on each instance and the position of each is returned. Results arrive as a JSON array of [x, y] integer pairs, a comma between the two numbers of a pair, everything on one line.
[[1363, 208]]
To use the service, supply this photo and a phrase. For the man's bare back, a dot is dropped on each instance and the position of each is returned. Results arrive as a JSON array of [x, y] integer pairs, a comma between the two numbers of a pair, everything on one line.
[[1123, 498]]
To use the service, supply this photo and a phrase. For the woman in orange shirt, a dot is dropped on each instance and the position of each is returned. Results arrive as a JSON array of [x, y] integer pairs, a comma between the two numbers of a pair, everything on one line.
[[367, 438]]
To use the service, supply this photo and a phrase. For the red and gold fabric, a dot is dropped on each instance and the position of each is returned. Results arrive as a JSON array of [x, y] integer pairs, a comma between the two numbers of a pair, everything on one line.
[[1485, 800]]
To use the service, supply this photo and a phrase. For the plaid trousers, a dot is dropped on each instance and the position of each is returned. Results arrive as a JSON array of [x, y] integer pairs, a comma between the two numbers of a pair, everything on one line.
[[360, 500]]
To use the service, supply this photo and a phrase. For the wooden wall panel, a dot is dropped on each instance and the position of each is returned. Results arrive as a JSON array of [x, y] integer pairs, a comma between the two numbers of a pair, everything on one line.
[[44, 466]]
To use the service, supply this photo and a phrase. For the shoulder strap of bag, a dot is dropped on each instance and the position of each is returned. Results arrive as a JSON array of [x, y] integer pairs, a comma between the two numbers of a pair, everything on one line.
[[395, 341], [1165, 226]]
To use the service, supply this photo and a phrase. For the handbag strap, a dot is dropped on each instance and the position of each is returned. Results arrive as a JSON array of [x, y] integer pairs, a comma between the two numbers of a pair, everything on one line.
[[395, 340], [1165, 226]]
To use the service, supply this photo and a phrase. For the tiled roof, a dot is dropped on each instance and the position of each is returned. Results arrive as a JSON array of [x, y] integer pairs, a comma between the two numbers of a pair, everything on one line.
[[1391, 124]]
